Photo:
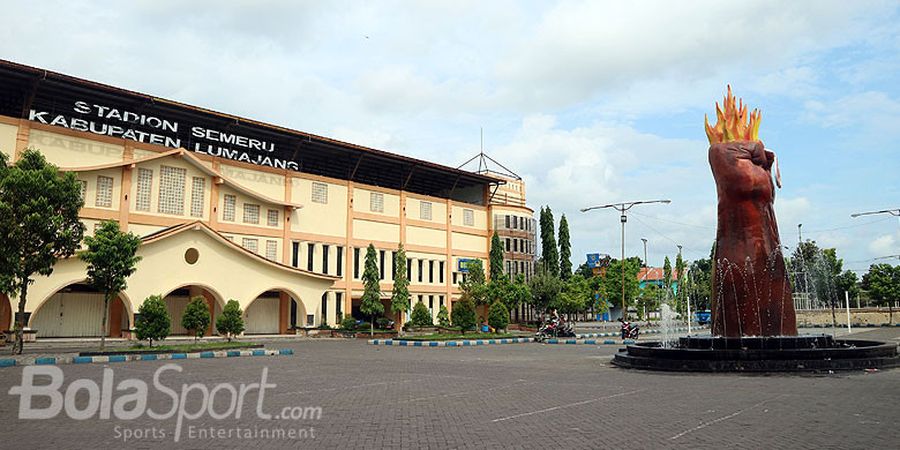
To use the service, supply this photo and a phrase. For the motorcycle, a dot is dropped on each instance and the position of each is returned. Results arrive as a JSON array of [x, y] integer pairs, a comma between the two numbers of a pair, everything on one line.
[[630, 331], [554, 328]]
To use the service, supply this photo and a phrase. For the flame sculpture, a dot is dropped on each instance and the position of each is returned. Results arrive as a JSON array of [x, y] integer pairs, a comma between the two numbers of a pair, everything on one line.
[[732, 124]]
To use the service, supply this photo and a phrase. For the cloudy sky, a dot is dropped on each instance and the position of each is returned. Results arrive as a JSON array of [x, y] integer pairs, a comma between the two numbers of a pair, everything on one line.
[[590, 102]]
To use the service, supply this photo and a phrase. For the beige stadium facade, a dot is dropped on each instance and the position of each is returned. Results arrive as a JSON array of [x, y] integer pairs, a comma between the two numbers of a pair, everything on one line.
[[230, 208]]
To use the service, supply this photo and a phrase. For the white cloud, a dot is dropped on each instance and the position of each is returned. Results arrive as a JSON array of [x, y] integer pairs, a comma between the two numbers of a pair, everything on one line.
[[885, 245]]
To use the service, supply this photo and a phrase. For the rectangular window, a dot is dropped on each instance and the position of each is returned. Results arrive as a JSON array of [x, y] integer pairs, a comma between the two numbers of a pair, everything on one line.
[[376, 202], [507, 222], [338, 305], [325, 259], [104, 192], [83, 189], [171, 190], [324, 318], [381, 264], [228, 208], [310, 254], [431, 303], [272, 250], [272, 218], [425, 210], [515, 245], [340, 262], [295, 257], [319, 192], [509, 267], [441, 300], [431, 271], [468, 217], [507, 244], [251, 213], [144, 190], [408, 269], [420, 270], [356, 263], [198, 194], [250, 244], [393, 265], [455, 275], [441, 272]]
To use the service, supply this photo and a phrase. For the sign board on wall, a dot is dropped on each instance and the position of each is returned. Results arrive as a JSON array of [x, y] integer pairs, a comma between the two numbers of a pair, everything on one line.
[[462, 264]]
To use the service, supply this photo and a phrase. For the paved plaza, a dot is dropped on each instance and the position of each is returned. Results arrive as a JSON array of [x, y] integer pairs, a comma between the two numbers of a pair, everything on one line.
[[509, 396]]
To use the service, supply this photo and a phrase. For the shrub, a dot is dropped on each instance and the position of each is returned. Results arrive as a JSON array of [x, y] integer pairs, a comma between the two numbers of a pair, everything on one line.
[[498, 316], [421, 316], [348, 323], [443, 317], [231, 322], [153, 322], [463, 315], [196, 317], [383, 323]]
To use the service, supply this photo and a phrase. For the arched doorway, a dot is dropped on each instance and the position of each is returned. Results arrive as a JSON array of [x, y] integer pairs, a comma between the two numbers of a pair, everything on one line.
[[274, 311], [178, 299], [77, 311]]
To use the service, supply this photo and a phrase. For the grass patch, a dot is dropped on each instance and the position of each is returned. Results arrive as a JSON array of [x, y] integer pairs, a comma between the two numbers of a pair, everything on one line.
[[200, 346], [457, 337]]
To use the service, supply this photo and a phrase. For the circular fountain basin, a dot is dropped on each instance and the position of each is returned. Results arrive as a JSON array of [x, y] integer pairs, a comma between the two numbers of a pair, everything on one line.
[[807, 353]]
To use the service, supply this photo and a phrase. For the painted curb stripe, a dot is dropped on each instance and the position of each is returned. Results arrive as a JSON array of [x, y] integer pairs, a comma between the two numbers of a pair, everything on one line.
[[49, 360], [44, 361], [7, 362], [465, 343]]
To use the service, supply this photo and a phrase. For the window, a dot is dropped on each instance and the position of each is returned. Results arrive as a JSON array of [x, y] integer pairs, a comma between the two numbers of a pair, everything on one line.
[[420, 270], [250, 244], [338, 305], [441, 300], [295, 257], [507, 244], [272, 218], [393, 265], [251, 213], [455, 274], [431, 271], [319, 192], [325, 259], [104, 192], [324, 307], [507, 222], [376, 202], [431, 303], [381, 264], [408, 269], [425, 210], [271, 250], [310, 253], [198, 191], [356, 263], [441, 272], [144, 189], [340, 262], [228, 208], [171, 190], [509, 267], [83, 189], [468, 217], [515, 245]]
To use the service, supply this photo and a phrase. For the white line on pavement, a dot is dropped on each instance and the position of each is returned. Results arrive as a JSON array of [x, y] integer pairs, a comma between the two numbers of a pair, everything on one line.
[[568, 405], [720, 419]]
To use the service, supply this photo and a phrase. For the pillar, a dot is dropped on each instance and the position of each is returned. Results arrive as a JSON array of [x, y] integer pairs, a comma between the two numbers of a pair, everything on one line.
[[284, 313]]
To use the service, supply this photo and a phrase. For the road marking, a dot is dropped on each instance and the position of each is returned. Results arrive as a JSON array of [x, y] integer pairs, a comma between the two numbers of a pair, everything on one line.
[[585, 402], [471, 391], [720, 419], [358, 386]]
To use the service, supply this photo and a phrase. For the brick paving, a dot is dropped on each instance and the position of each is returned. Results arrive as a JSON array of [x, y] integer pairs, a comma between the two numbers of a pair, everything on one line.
[[512, 396]]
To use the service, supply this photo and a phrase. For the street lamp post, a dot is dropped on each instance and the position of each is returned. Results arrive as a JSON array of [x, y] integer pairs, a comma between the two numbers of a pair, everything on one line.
[[646, 264], [623, 209]]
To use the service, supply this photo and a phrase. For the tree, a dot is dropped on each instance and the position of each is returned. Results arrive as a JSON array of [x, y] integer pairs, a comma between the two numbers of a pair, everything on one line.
[[584, 271], [883, 283], [400, 291], [111, 258], [474, 287], [496, 259], [613, 281], [565, 249], [519, 292], [649, 299], [498, 316], [421, 316], [544, 290], [549, 256], [153, 320], [231, 322], [574, 297], [196, 317], [38, 225], [697, 283], [443, 317], [848, 282], [371, 299], [463, 314], [667, 275]]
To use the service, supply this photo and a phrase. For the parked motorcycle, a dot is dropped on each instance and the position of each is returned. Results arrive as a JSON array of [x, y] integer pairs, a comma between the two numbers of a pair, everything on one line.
[[630, 330], [554, 328]]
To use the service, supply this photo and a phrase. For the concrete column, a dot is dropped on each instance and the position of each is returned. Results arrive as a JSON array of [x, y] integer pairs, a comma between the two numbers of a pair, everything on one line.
[[284, 313]]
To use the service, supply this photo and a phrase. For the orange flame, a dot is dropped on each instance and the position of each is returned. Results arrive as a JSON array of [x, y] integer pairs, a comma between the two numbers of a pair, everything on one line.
[[732, 124]]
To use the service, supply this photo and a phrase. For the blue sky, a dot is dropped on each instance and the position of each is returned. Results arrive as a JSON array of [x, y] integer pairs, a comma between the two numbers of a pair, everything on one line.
[[591, 102]]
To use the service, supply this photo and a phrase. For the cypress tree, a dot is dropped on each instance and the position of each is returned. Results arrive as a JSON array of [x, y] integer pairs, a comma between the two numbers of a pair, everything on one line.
[[371, 300], [400, 292], [565, 249], [496, 260], [550, 257]]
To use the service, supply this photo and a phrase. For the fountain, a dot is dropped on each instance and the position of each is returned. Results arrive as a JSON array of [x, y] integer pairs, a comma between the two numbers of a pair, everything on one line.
[[754, 327]]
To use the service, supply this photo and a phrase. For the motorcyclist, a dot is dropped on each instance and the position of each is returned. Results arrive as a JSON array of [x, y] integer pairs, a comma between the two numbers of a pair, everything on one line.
[[626, 327]]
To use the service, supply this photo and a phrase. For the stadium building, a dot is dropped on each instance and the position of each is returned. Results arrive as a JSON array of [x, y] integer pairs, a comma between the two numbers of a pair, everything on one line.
[[231, 208]]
